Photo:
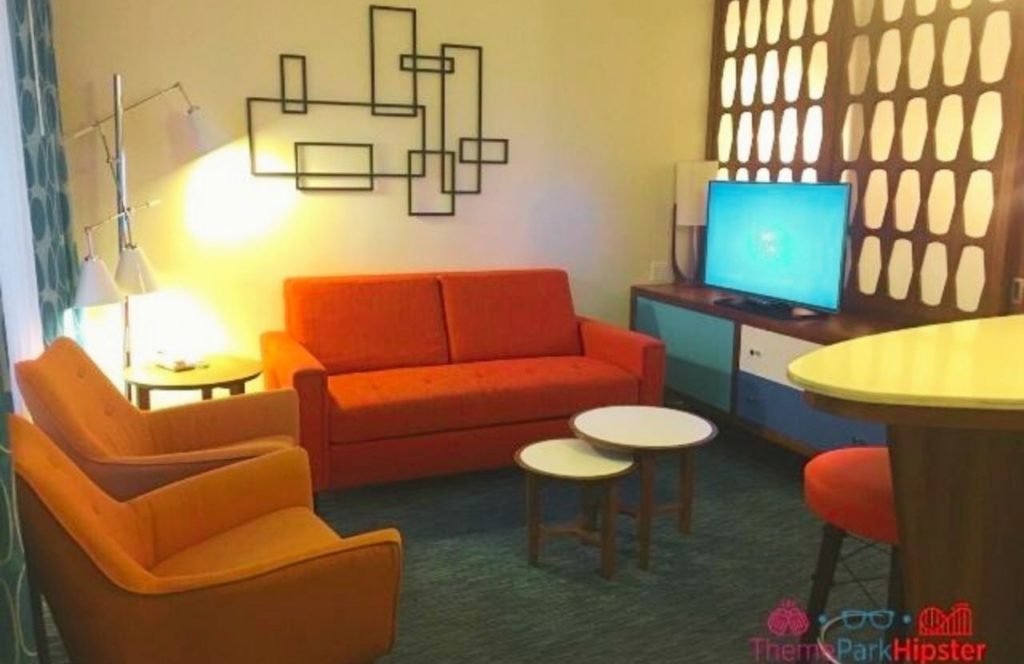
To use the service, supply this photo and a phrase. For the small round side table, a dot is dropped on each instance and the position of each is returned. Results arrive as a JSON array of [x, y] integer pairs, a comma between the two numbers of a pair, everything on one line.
[[225, 371], [647, 432], [573, 460]]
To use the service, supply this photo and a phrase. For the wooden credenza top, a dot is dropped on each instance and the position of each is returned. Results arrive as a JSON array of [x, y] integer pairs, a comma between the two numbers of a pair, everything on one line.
[[826, 330]]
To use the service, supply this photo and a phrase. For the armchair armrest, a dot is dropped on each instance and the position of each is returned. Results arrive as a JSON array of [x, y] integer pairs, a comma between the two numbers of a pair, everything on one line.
[[222, 421], [340, 605], [639, 354], [223, 498], [289, 364]]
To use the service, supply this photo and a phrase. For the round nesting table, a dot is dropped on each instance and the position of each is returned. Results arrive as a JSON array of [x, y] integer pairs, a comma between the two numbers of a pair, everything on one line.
[[573, 460], [647, 432], [225, 371]]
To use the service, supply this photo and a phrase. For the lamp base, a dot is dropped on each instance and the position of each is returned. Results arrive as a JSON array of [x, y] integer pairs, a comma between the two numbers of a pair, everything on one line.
[[692, 273]]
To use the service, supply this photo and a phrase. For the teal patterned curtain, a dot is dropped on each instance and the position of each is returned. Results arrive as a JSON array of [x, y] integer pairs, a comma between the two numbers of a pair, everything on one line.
[[56, 272], [17, 644], [45, 164]]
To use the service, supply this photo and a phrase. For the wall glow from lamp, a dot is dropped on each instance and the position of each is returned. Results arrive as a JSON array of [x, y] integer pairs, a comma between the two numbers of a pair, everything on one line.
[[177, 324], [225, 205]]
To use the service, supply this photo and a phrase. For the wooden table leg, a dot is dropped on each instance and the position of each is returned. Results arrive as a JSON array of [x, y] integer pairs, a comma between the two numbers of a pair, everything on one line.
[[592, 500], [645, 514], [142, 397], [207, 393], [235, 389], [533, 517], [686, 464], [611, 511], [959, 499]]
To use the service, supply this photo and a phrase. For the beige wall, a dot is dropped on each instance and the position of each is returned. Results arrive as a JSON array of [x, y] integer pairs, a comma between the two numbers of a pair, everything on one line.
[[598, 98]]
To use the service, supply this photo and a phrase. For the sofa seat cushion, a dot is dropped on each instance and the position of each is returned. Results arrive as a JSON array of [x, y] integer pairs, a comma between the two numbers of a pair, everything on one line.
[[280, 535], [422, 400]]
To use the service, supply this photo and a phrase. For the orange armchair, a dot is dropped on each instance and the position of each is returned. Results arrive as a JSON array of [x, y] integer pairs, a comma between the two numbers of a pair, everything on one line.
[[231, 566], [129, 452]]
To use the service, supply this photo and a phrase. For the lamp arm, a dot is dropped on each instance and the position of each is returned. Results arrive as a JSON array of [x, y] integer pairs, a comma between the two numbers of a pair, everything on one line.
[[95, 126], [106, 151], [91, 228], [124, 222]]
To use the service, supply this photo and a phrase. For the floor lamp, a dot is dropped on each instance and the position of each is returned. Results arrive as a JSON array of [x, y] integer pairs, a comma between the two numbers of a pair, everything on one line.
[[134, 275]]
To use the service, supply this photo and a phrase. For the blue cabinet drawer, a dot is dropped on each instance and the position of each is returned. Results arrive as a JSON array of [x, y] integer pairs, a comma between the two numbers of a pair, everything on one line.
[[781, 408], [699, 350]]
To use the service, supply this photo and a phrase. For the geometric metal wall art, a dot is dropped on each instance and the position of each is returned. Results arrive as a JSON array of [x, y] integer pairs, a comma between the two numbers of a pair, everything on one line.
[[915, 103], [332, 145]]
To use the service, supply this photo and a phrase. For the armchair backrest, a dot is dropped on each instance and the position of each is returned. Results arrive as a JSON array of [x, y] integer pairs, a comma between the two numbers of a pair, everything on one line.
[[78, 407], [110, 533]]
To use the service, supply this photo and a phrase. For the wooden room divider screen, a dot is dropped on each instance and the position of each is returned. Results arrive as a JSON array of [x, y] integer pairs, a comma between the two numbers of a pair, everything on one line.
[[918, 105]]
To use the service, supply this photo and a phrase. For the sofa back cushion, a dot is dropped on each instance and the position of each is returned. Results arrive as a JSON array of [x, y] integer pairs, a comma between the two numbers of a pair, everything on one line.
[[509, 314], [368, 322]]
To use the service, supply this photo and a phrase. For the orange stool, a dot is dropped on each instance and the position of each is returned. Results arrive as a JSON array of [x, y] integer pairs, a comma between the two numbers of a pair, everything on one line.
[[851, 490]]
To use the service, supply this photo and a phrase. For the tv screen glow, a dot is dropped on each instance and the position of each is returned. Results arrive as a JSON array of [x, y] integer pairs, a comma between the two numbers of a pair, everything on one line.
[[778, 241]]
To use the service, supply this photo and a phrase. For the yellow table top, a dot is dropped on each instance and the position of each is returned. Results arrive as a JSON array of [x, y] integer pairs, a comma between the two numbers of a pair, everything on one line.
[[976, 364]]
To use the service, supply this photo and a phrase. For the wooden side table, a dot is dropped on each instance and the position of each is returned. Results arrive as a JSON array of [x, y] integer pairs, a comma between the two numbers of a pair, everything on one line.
[[226, 371], [573, 460], [648, 432]]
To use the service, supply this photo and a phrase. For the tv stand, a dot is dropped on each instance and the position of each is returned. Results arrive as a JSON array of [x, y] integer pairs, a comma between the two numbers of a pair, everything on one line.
[[728, 360], [768, 308]]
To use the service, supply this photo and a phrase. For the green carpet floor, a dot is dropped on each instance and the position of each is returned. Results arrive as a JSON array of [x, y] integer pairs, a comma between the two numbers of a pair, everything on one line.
[[469, 596]]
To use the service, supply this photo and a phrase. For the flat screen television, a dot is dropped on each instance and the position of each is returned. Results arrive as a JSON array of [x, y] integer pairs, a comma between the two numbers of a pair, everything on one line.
[[781, 245]]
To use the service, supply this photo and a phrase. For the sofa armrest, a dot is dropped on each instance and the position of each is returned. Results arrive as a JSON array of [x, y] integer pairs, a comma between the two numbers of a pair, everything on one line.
[[204, 424], [288, 364], [639, 354], [192, 510]]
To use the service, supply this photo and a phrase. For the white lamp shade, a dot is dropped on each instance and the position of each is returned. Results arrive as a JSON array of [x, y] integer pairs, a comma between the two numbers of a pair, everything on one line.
[[192, 135], [206, 136], [134, 274], [692, 178], [95, 285]]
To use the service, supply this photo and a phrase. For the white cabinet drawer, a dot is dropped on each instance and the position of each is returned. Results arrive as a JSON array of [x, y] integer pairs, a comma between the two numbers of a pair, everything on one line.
[[767, 354]]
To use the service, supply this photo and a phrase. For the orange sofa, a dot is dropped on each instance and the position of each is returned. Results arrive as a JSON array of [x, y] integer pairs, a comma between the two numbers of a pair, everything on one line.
[[404, 376], [227, 567]]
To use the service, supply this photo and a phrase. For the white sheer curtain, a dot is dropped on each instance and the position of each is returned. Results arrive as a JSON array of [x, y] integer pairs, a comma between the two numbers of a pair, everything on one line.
[[17, 256]]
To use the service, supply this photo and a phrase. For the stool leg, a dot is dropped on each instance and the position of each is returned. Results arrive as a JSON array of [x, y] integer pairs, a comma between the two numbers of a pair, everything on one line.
[[686, 462], [646, 512], [896, 600], [611, 510], [533, 517], [828, 557]]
